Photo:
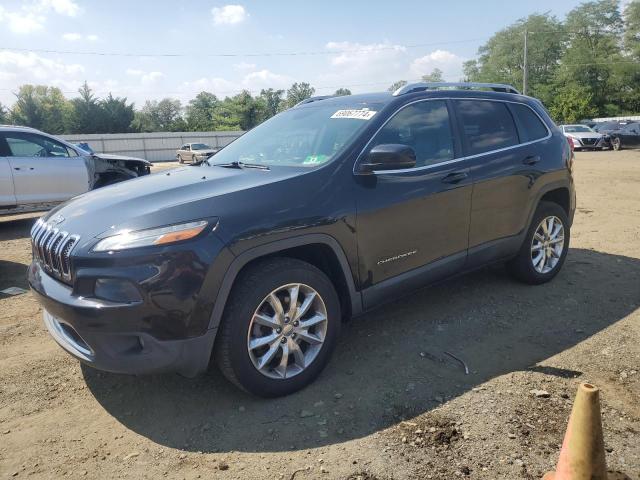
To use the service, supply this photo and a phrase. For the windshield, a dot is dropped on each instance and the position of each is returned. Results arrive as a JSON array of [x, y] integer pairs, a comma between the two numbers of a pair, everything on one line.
[[300, 137], [200, 146], [577, 129], [607, 126]]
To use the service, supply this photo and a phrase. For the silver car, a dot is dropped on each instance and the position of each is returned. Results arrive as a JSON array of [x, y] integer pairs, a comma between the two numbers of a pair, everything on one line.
[[585, 138], [39, 171], [195, 152]]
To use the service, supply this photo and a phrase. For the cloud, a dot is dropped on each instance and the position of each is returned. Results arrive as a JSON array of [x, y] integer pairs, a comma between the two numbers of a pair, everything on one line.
[[223, 87], [229, 14], [144, 76], [260, 79], [151, 77], [244, 66], [22, 21], [31, 16], [21, 68], [448, 62], [72, 37], [363, 63], [62, 7]]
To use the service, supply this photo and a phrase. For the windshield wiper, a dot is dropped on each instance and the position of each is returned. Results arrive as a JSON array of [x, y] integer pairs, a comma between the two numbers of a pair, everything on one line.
[[238, 164]]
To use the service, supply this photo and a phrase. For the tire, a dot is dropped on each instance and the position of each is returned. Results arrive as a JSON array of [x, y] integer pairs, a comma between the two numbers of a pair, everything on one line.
[[179, 158], [193, 159], [616, 144], [109, 181], [249, 296], [522, 267]]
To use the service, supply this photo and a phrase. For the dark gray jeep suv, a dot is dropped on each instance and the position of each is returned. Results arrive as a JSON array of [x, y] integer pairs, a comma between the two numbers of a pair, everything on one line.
[[322, 212]]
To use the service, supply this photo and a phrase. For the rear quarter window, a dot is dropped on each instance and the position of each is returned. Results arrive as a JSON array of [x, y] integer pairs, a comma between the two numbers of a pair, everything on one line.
[[486, 125], [531, 127]]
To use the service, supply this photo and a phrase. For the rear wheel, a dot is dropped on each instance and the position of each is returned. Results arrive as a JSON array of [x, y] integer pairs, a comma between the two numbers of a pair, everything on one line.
[[193, 159], [545, 247], [616, 143], [279, 327]]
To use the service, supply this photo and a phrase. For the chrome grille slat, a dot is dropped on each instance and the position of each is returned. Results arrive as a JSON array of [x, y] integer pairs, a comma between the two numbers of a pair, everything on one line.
[[52, 249], [42, 241], [47, 248]]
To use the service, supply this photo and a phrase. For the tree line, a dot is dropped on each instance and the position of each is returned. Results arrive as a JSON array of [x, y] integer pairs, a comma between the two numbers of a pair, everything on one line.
[[583, 67], [586, 65], [47, 109]]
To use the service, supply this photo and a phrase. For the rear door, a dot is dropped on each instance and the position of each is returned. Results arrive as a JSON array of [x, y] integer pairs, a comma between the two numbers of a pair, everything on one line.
[[44, 170], [503, 167]]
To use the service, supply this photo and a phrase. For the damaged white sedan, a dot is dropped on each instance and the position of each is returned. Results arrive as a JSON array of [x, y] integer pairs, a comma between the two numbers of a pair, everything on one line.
[[39, 171]]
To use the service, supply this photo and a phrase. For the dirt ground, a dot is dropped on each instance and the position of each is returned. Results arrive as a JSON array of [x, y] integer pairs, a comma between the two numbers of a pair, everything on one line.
[[390, 405]]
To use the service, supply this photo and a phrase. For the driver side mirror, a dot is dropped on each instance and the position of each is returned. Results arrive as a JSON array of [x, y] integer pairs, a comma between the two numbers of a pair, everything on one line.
[[389, 156]]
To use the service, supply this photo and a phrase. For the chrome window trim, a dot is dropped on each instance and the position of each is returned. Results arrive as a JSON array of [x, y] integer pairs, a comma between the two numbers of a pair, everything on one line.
[[454, 160]]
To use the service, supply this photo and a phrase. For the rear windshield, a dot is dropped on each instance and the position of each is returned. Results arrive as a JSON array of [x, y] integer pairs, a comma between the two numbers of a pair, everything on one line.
[[200, 146], [306, 136]]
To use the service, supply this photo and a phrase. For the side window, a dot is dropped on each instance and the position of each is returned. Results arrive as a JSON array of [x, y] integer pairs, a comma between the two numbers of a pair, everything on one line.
[[487, 125], [187, 147], [425, 127], [30, 145], [532, 126]]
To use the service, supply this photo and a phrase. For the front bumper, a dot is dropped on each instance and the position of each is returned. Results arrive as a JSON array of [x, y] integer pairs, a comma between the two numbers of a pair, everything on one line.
[[601, 143], [78, 325]]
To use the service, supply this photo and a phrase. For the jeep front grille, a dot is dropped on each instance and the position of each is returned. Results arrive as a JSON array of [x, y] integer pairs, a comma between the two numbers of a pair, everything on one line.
[[52, 249]]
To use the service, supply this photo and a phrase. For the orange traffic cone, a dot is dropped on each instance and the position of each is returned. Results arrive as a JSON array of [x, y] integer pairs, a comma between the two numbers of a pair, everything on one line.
[[582, 455]]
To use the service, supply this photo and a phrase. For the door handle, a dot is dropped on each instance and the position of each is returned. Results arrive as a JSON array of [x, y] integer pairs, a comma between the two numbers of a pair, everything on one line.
[[16, 168], [531, 160], [455, 177]]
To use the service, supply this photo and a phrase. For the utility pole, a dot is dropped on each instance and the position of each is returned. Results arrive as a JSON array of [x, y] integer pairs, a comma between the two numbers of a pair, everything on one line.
[[525, 69]]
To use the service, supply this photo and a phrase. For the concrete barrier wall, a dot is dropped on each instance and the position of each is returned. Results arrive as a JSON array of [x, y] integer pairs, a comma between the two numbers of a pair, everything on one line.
[[155, 147]]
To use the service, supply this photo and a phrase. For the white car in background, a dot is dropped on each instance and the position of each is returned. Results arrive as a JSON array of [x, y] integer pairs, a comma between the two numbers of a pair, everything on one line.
[[39, 171], [585, 138], [195, 152]]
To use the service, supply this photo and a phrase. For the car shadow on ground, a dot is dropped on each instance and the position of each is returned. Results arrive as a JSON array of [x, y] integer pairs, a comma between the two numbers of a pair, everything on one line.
[[12, 274], [389, 364], [14, 228]]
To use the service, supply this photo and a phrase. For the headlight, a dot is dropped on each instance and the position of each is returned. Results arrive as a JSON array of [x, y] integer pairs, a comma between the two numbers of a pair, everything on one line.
[[153, 236]]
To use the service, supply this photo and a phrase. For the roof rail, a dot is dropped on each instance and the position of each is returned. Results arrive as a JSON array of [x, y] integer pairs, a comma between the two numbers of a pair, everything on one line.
[[312, 99], [418, 87], [18, 126]]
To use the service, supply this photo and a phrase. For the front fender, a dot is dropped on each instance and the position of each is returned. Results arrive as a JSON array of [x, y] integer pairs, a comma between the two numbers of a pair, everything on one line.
[[240, 261]]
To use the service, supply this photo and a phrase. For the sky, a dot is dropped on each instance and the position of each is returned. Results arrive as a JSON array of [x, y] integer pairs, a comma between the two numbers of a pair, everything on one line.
[[151, 49]]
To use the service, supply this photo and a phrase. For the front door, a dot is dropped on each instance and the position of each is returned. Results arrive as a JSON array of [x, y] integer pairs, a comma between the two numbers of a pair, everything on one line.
[[7, 195], [413, 219], [44, 171]]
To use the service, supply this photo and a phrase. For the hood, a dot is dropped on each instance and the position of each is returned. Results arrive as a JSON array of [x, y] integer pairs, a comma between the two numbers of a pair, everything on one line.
[[109, 156], [164, 198], [205, 152], [584, 134]]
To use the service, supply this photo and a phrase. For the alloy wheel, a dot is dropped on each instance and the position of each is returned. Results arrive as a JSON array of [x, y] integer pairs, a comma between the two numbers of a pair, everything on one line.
[[287, 331], [616, 144], [547, 244]]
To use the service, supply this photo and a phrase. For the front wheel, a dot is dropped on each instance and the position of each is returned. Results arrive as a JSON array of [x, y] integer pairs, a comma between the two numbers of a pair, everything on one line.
[[179, 158], [545, 246], [280, 325], [617, 144]]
